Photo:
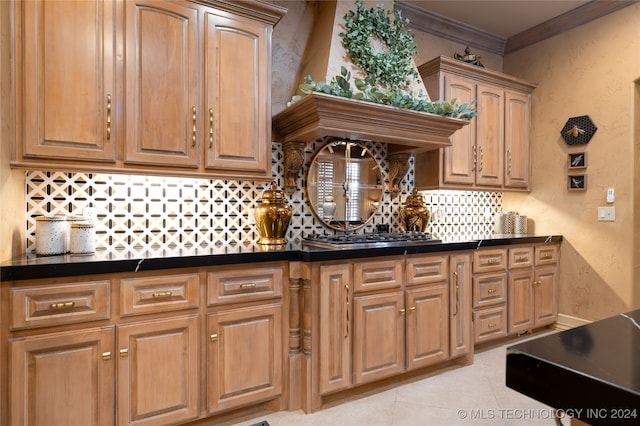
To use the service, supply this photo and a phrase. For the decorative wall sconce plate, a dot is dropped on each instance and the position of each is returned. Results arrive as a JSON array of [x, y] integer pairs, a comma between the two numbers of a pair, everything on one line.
[[578, 130]]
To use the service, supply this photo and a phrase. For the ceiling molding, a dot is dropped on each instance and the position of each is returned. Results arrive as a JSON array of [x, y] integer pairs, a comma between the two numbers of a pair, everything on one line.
[[565, 22], [450, 29]]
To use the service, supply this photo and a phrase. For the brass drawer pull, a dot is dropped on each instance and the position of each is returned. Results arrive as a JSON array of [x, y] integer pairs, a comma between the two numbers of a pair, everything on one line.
[[193, 116], [210, 128], [402, 311], [108, 116], [162, 294], [124, 352], [546, 256], [106, 356], [493, 261], [250, 285], [492, 291], [491, 325], [62, 305], [213, 337], [522, 258], [457, 284], [412, 309]]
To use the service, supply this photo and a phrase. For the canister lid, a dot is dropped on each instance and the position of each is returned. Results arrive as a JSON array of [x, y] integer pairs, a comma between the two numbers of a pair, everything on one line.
[[415, 199], [56, 218], [273, 194], [82, 225]]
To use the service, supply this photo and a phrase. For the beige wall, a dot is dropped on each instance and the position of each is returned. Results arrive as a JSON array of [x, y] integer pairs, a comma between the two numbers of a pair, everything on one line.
[[589, 70], [12, 199]]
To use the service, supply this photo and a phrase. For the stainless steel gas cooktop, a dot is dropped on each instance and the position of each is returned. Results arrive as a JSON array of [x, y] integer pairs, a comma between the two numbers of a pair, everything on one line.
[[383, 239]]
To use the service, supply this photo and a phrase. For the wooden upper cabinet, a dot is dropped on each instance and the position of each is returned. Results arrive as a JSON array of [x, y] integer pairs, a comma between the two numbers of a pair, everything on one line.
[[68, 80], [490, 136], [161, 68], [180, 88], [492, 152], [237, 79], [460, 157], [517, 140]]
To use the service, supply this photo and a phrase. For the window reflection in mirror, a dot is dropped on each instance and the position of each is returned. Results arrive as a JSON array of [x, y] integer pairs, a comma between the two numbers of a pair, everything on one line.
[[344, 185]]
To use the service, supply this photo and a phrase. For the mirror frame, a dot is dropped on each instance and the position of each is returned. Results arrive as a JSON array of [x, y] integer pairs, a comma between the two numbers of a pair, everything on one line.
[[345, 226]]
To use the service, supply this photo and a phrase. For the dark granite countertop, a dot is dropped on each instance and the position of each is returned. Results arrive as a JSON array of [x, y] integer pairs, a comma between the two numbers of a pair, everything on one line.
[[591, 372], [31, 266]]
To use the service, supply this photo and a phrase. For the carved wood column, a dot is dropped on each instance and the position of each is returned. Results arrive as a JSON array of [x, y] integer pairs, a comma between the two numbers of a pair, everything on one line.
[[306, 316], [295, 342]]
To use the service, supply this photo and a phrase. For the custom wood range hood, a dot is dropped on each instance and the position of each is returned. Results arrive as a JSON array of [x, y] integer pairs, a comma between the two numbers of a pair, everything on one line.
[[319, 115]]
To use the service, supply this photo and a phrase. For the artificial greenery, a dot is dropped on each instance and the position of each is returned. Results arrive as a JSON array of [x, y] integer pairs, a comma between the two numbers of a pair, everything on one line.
[[388, 71], [390, 66]]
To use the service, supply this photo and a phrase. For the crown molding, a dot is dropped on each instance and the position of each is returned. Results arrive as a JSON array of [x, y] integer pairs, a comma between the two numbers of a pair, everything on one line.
[[450, 29]]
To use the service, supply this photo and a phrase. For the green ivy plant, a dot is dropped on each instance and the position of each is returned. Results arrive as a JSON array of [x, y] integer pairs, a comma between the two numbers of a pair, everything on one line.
[[388, 71]]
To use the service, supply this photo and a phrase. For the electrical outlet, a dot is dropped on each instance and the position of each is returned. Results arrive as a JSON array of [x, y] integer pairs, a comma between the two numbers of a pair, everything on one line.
[[606, 214]]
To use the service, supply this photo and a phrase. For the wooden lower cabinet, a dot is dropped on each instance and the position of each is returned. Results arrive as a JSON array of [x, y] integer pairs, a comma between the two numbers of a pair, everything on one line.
[[460, 305], [335, 327], [378, 336], [63, 379], [244, 356], [427, 326], [158, 379], [533, 291]]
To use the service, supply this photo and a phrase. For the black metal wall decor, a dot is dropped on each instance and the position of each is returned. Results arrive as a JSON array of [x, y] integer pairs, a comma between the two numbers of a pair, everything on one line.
[[578, 130]]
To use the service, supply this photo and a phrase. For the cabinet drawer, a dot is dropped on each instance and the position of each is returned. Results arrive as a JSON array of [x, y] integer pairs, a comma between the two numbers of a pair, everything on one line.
[[489, 324], [489, 289], [60, 304], [159, 294], [427, 269], [546, 255], [377, 275], [521, 257], [241, 285], [489, 260]]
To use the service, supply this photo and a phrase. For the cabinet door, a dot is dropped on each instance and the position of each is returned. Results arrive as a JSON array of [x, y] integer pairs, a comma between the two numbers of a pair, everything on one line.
[[427, 326], [237, 79], [68, 80], [490, 136], [335, 327], [517, 165], [158, 371], [459, 158], [460, 305], [520, 298], [245, 356], [63, 379], [378, 345], [545, 296], [161, 67]]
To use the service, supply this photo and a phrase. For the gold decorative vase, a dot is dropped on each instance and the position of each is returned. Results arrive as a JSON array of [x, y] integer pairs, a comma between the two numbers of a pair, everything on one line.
[[415, 214], [272, 217]]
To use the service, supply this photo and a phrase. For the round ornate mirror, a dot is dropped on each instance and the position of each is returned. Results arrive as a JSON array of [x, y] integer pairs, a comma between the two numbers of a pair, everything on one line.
[[344, 185]]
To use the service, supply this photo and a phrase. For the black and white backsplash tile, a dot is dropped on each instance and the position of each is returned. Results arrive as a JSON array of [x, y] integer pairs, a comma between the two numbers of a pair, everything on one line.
[[156, 212]]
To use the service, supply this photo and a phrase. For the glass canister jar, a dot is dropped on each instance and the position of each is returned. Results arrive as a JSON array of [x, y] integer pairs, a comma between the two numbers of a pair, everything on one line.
[[272, 217], [415, 215]]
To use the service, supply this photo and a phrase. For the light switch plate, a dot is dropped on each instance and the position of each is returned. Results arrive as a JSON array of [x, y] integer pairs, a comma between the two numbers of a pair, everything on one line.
[[606, 214]]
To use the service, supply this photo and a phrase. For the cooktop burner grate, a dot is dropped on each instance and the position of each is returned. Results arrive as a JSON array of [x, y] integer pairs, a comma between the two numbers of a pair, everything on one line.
[[383, 239]]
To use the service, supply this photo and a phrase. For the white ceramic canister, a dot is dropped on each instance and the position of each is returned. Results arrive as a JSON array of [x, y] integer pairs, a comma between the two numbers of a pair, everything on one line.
[[70, 221], [82, 238], [51, 235]]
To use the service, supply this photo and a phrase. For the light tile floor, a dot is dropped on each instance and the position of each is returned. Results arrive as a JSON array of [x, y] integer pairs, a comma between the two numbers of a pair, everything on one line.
[[469, 395]]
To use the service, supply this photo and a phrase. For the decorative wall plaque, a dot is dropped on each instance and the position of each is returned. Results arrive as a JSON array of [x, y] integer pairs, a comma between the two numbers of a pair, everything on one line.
[[578, 130]]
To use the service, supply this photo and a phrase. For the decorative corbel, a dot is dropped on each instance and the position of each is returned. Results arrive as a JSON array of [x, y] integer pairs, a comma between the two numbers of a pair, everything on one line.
[[398, 168], [293, 162]]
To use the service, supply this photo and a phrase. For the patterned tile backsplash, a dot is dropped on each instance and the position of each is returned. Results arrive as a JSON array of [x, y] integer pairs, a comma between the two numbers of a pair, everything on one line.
[[155, 212]]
